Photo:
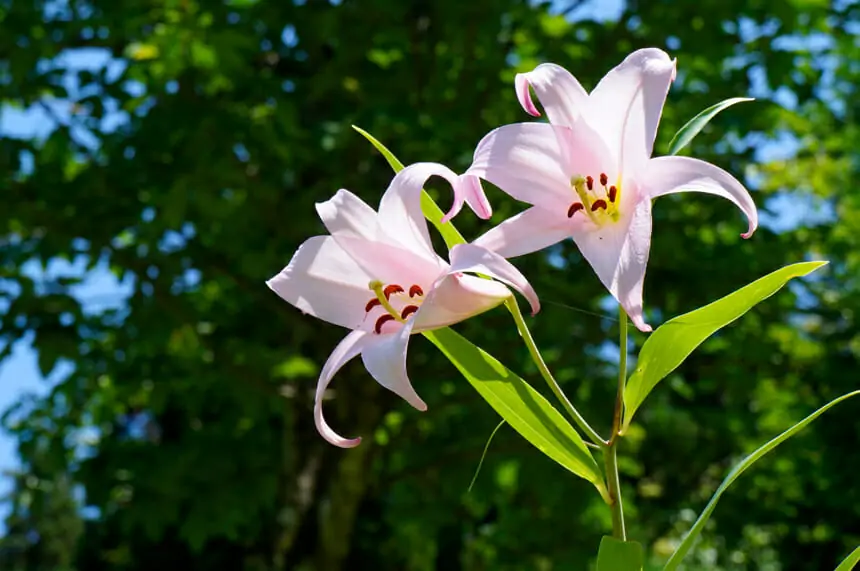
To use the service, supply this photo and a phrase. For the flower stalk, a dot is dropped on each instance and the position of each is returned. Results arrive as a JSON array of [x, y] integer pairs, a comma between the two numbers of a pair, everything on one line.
[[523, 329], [610, 456]]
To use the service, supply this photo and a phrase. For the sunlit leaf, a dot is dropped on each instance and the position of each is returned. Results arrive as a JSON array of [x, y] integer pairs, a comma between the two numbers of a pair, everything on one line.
[[673, 341], [739, 469], [850, 562], [431, 211], [686, 133], [617, 555], [520, 405], [140, 52]]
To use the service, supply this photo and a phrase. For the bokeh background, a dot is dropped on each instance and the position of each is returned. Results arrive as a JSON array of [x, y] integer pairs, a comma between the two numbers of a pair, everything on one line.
[[160, 159]]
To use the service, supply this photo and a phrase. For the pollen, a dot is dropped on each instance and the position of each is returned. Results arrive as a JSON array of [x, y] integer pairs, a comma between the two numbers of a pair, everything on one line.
[[371, 304], [613, 192], [603, 179], [408, 310], [383, 319], [390, 289], [589, 182], [598, 204], [574, 208], [415, 290]]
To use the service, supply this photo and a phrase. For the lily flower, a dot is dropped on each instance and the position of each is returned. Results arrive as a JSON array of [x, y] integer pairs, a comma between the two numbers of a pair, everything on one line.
[[378, 275], [589, 175]]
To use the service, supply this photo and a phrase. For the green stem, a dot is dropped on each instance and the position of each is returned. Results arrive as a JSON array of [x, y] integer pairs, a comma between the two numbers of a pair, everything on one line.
[[609, 453], [613, 484], [514, 308]]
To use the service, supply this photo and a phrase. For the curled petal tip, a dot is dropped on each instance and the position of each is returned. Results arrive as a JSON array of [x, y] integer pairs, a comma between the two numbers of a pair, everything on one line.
[[524, 95], [470, 191], [422, 407], [349, 442], [639, 321]]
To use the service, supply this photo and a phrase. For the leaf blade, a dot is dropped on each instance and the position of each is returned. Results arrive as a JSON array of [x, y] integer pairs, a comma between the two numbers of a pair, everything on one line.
[[672, 342], [850, 562], [692, 128], [739, 469], [522, 407]]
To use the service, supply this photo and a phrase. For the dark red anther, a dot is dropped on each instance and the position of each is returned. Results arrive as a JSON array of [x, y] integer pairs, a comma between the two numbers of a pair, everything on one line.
[[613, 192], [599, 203], [393, 288], [408, 310], [415, 290], [371, 304], [383, 319], [603, 178], [589, 182], [574, 208]]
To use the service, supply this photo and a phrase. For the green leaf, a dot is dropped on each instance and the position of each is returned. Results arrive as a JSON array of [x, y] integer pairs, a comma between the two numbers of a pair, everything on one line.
[[850, 561], [617, 555], [520, 405], [431, 211], [686, 133], [691, 537], [673, 341], [484, 454]]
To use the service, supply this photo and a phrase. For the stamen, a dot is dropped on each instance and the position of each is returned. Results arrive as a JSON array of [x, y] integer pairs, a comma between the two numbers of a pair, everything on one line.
[[603, 179], [613, 192], [382, 297], [383, 319], [371, 304], [599, 203], [393, 288], [408, 310], [574, 208], [415, 290], [589, 182]]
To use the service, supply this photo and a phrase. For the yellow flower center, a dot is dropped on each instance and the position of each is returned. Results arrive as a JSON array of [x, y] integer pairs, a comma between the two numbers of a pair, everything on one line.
[[597, 201]]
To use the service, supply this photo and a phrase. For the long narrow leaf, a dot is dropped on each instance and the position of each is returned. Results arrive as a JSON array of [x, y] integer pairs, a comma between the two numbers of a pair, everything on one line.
[[850, 562], [673, 341], [696, 530], [686, 133], [525, 409], [431, 211]]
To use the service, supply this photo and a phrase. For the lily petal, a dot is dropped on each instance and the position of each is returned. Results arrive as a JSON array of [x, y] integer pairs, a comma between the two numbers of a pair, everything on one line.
[[385, 360], [324, 281], [561, 95], [619, 254], [626, 105], [400, 212], [457, 297], [667, 175], [527, 161], [346, 350], [391, 264], [348, 215], [529, 231], [472, 258], [472, 193]]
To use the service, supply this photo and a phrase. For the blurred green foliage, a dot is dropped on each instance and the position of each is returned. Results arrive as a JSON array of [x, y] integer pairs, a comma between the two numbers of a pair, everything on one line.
[[187, 422]]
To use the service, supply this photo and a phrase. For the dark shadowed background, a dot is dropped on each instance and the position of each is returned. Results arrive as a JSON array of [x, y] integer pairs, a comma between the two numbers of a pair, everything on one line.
[[160, 160]]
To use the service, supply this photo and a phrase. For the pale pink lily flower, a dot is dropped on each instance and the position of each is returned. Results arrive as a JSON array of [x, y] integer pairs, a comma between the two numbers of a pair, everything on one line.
[[589, 173], [378, 275]]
